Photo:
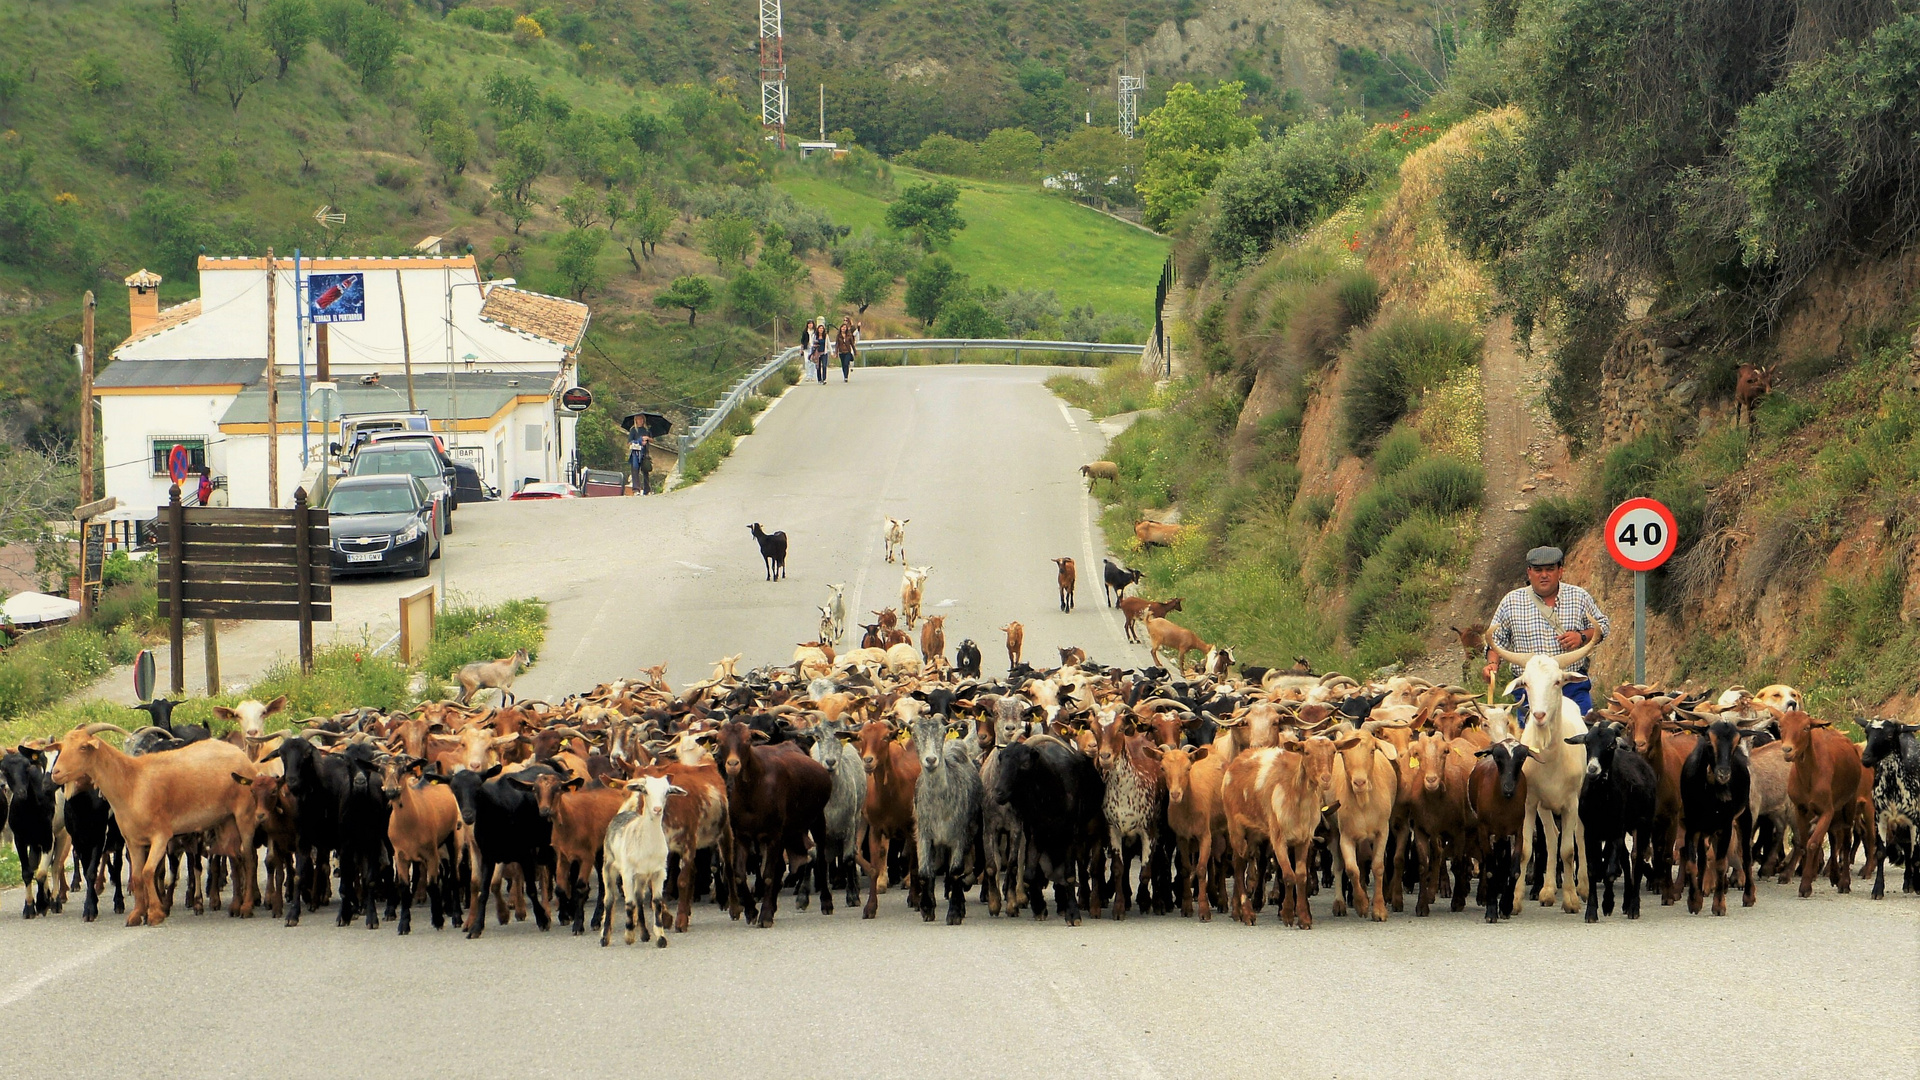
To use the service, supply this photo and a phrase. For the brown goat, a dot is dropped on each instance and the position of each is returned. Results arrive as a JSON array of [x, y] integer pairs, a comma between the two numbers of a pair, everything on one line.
[[1750, 385], [1133, 609], [1016, 637], [933, 640], [1152, 533], [1165, 634], [1067, 583]]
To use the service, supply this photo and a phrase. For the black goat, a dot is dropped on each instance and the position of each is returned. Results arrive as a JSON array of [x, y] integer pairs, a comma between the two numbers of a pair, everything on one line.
[[1893, 752], [504, 816], [1056, 794], [96, 837], [773, 549], [30, 815], [966, 659], [319, 785], [1616, 802], [1713, 800], [161, 711], [1117, 579]]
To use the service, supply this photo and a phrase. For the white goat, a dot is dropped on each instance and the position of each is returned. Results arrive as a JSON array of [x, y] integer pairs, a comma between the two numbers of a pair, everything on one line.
[[913, 586], [1555, 770], [896, 537], [635, 858], [833, 615], [251, 715]]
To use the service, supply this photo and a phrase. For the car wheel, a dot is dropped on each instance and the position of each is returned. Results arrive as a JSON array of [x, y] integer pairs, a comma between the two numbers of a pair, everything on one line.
[[421, 570]]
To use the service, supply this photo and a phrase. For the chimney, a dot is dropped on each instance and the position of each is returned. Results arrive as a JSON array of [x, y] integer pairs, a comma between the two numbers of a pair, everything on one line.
[[143, 299]]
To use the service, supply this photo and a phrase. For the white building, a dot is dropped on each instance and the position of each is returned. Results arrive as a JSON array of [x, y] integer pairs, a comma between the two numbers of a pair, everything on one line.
[[486, 361]]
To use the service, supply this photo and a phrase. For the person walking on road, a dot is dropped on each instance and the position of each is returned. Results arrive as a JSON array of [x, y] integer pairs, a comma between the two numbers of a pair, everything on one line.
[[844, 341], [640, 457], [808, 338], [1547, 616], [823, 331], [205, 494]]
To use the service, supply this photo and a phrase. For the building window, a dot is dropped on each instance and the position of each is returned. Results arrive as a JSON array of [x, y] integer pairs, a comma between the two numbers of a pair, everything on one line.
[[163, 446]]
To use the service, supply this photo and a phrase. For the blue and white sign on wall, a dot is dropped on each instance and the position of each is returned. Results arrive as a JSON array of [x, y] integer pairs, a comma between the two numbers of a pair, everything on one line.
[[336, 298]]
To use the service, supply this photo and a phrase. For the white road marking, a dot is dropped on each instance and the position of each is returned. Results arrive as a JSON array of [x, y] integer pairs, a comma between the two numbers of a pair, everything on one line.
[[24, 987], [1067, 416], [695, 566]]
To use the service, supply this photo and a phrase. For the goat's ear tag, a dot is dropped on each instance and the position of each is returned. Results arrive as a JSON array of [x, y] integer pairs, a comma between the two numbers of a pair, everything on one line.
[[1413, 762]]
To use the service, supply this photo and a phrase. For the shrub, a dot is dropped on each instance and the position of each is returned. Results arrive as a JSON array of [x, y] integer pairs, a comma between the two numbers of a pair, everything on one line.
[[1391, 593], [1398, 450], [705, 458], [465, 632], [1438, 485], [1270, 190], [1393, 363], [1631, 468], [1557, 521], [1318, 509]]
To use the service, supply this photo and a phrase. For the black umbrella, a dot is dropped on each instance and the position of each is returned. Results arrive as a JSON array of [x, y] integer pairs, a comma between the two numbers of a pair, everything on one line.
[[657, 425]]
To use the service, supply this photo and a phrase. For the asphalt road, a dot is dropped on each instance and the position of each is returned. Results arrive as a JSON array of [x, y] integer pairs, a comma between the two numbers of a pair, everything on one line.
[[1827, 986], [982, 459]]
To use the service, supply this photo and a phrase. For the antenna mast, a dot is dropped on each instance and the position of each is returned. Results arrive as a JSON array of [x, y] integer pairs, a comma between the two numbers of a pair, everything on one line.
[[1130, 88], [773, 73]]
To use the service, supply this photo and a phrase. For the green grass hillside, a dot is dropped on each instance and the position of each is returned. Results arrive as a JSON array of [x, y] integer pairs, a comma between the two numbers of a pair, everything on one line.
[[1019, 236]]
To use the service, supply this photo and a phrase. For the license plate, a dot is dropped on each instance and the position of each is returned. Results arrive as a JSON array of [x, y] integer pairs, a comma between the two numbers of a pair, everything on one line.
[[364, 556]]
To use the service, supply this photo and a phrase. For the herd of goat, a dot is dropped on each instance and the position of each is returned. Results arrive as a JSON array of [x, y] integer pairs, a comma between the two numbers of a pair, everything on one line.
[[888, 763], [834, 772]]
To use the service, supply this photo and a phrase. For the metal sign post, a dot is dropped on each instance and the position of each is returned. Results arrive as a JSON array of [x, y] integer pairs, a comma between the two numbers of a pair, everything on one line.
[[1640, 536]]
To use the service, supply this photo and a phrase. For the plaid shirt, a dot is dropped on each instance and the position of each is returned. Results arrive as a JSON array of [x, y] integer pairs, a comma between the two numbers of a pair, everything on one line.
[[1519, 627]]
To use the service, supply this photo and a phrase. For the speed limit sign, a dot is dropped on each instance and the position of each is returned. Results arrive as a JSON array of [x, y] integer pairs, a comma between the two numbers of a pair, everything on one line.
[[1641, 534]]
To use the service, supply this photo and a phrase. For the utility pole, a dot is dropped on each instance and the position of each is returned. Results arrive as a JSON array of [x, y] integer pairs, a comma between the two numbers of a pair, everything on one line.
[[273, 404], [86, 399], [406, 345], [823, 112]]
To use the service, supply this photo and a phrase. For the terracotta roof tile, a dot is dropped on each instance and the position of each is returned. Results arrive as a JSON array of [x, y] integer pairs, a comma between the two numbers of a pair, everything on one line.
[[550, 317], [168, 319]]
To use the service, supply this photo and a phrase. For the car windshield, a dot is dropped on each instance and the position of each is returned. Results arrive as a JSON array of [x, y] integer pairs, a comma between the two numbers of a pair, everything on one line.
[[371, 499], [419, 463]]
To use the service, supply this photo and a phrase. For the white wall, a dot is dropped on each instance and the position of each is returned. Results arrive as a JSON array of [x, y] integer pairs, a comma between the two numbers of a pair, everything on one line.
[[128, 422], [233, 315]]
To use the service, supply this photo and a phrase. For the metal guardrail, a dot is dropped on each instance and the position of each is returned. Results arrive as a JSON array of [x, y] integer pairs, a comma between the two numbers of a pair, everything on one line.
[[711, 419], [998, 344]]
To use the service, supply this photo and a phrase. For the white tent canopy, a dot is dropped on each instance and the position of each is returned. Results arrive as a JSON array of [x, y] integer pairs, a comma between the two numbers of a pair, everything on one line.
[[34, 609]]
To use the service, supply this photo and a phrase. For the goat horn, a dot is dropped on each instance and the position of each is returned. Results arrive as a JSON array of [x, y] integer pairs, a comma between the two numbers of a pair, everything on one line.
[[1458, 690], [320, 733], [97, 728], [149, 727], [1514, 658]]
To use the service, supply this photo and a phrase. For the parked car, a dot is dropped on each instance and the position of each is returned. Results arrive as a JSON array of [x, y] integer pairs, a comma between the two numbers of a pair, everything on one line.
[[357, 428], [600, 483], [538, 490], [410, 459], [383, 523], [467, 485]]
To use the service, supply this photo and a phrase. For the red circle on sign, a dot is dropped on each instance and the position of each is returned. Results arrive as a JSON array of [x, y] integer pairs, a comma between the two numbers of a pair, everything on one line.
[[576, 399], [178, 463], [1641, 534]]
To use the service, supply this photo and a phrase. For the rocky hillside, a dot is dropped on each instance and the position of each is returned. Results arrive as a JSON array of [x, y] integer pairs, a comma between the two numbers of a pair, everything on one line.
[[1401, 389]]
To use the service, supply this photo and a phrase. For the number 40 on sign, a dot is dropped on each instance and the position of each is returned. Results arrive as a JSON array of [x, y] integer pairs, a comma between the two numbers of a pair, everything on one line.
[[1640, 536]]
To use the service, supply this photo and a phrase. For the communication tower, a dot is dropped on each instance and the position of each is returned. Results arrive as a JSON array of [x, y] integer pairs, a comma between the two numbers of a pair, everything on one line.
[[1131, 87], [773, 73]]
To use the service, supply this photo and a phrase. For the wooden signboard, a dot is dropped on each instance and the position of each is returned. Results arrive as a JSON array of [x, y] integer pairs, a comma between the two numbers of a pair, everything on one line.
[[254, 564]]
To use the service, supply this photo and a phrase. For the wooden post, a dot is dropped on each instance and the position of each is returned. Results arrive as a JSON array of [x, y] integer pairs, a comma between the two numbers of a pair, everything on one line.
[[176, 589], [86, 399], [321, 372], [273, 395], [210, 635], [406, 345], [303, 576]]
